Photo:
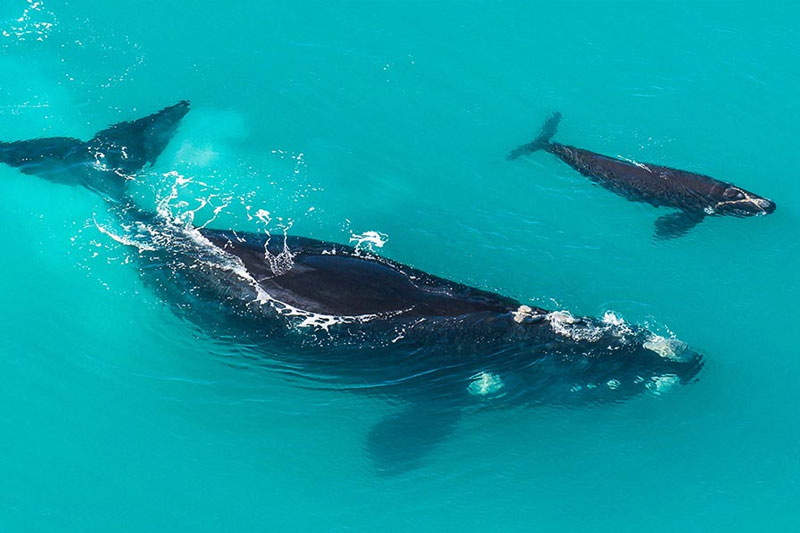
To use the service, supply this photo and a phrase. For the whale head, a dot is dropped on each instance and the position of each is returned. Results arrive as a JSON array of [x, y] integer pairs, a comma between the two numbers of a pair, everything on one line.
[[573, 361], [735, 201]]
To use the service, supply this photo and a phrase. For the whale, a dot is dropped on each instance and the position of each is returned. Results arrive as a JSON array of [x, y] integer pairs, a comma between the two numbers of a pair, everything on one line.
[[105, 162], [332, 316], [692, 197]]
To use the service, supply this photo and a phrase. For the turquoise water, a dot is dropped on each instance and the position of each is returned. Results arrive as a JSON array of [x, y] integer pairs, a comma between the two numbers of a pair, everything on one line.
[[394, 118]]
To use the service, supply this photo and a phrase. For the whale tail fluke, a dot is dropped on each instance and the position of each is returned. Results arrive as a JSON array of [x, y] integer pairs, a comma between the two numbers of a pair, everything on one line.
[[105, 162], [35, 156], [548, 130], [129, 146]]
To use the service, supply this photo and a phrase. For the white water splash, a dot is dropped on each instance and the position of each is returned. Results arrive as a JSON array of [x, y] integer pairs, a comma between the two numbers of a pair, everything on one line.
[[175, 229], [123, 239], [283, 261], [304, 319], [566, 325], [563, 323], [619, 327], [368, 240]]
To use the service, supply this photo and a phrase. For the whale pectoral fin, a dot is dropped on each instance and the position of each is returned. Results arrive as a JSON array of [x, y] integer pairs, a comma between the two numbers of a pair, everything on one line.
[[676, 224], [400, 441]]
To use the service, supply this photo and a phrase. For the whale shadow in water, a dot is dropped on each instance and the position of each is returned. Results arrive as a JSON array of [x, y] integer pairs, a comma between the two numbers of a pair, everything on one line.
[[694, 196], [339, 318]]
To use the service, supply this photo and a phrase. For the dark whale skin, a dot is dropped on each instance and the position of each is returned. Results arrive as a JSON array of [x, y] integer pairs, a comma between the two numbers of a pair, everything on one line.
[[694, 196], [332, 316]]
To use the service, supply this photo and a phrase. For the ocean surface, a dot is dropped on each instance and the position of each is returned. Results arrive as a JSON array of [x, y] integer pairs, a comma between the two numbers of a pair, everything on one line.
[[342, 119]]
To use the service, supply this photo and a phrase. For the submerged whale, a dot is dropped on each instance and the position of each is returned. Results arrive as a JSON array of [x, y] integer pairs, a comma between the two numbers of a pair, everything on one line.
[[342, 318], [695, 196]]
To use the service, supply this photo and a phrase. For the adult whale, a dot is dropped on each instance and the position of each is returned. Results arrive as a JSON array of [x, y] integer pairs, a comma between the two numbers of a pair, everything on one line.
[[694, 195], [339, 317]]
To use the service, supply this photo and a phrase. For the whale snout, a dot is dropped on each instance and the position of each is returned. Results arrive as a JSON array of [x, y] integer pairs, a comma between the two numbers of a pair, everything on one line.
[[675, 357], [739, 202], [768, 206], [690, 366]]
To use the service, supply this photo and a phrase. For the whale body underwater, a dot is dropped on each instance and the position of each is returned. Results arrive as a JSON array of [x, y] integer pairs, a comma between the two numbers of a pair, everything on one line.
[[695, 196], [345, 319]]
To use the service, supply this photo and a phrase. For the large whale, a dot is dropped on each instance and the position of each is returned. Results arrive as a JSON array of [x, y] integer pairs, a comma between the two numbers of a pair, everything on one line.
[[695, 196], [331, 315]]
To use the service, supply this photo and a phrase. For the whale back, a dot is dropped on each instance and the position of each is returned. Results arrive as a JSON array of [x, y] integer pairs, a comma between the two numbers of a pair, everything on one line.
[[332, 279]]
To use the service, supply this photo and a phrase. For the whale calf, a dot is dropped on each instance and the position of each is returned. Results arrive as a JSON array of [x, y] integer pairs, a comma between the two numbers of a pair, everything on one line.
[[330, 315], [695, 196]]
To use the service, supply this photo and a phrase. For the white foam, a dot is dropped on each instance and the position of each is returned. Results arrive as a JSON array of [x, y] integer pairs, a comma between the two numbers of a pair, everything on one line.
[[123, 239], [368, 239], [561, 318], [181, 226], [610, 318], [634, 162], [617, 324], [566, 325], [563, 323], [306, 319]]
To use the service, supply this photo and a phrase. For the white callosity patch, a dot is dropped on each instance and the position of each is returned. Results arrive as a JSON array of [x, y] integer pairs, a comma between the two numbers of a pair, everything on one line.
[[526, 314], [760, 203], [666, 348], [484, 384]]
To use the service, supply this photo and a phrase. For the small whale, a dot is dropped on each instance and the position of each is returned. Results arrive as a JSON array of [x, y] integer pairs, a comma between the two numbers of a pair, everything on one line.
[[338, 317], [695, 196]]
